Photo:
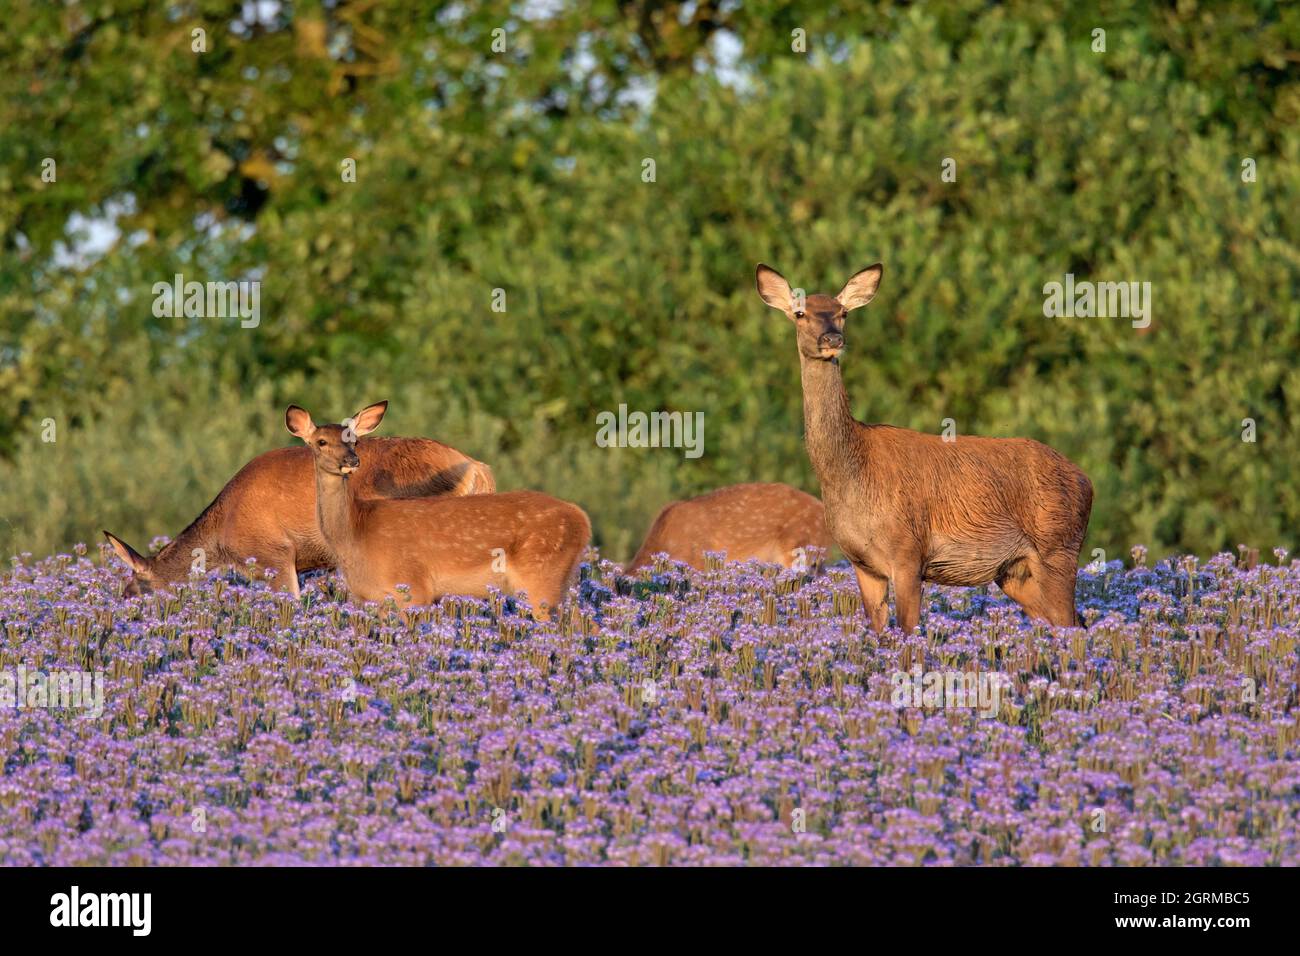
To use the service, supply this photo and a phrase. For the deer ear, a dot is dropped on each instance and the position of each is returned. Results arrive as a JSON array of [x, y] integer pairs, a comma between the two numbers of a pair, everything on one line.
[[861, 289], [133, 559], [368, 419], [299, 422], [772, 288]]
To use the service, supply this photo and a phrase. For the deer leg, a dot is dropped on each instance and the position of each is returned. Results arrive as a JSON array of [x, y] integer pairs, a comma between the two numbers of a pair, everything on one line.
[[543, 594], [1041, 589], [907, 600], [286, 576], [874, 590], [1059, 575], [554, 581], [1025, 591], [552, 593], [286, 572], [522, 588], [541, 606]]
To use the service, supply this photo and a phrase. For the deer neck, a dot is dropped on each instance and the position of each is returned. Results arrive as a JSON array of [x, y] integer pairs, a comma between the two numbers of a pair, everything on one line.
[[830, 432], [335, 509], [175, 561]]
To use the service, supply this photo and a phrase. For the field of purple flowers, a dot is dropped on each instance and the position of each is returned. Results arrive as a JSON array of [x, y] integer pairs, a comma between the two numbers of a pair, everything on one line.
[[738, 715]]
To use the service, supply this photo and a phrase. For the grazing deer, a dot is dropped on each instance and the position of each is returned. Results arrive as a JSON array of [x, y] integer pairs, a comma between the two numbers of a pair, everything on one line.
[[908, 507], [519, 541], [767, 522], [268, 510]]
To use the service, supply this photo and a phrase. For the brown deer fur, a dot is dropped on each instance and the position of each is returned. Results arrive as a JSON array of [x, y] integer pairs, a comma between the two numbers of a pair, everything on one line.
[[907, 507], [766, 522], [520, 541], [268, 510]]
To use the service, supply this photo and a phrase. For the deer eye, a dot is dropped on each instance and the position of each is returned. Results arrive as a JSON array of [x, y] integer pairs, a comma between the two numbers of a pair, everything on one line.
[[322, 442], [798, 315]]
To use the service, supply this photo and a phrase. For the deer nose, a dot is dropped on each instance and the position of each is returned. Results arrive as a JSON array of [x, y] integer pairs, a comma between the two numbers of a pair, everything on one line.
[[831, 340]]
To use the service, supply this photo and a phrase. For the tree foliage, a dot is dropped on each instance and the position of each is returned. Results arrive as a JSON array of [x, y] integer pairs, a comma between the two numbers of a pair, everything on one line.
[[522, 169]]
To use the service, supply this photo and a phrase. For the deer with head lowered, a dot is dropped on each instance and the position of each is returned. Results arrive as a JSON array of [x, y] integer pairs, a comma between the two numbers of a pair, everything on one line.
[[267, 511], [907, 507], [760, 521], [519, 541]]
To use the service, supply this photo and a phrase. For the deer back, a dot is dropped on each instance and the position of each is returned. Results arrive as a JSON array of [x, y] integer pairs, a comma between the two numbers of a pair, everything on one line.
[[763, 521]]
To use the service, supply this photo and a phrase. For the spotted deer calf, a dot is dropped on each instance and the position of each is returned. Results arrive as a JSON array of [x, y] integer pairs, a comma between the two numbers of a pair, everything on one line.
[[519, 541], [766, 522], [908, 507]]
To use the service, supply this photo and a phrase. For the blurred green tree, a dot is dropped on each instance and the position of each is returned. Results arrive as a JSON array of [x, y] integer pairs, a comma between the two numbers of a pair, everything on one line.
[[503, 146]]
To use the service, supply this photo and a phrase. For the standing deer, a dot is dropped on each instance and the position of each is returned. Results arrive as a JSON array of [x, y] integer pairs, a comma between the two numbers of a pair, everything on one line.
[[268, 510], [908, 507], [767, 522], [519, 541]]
